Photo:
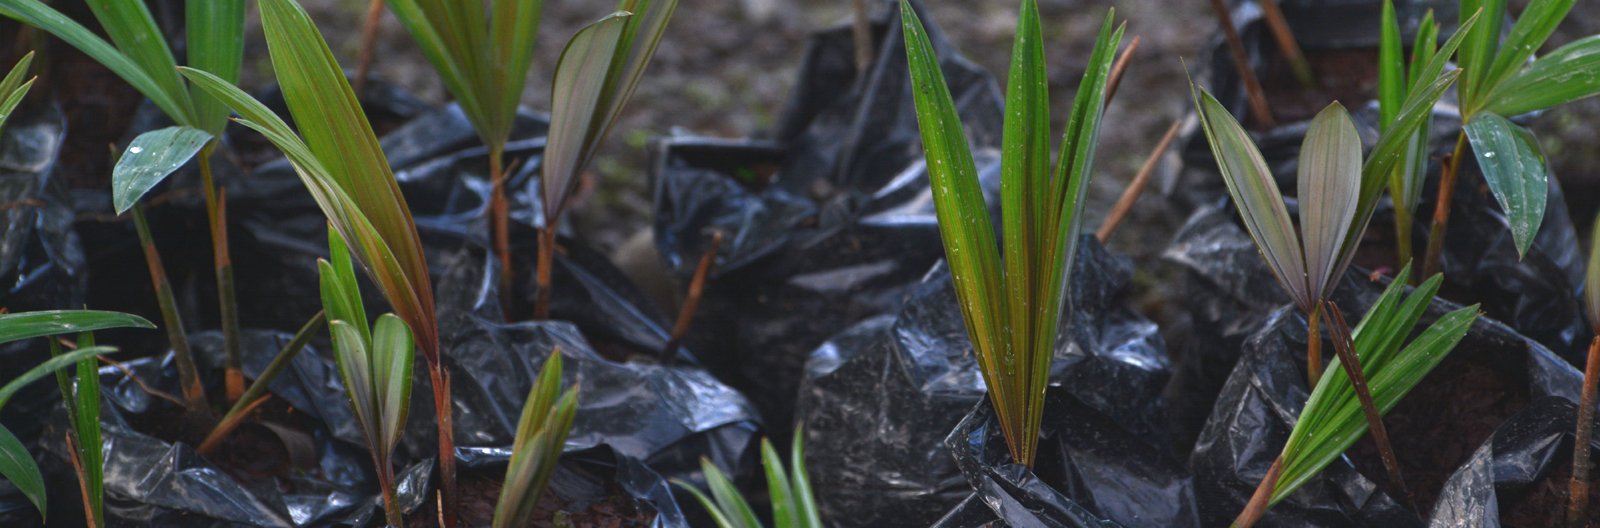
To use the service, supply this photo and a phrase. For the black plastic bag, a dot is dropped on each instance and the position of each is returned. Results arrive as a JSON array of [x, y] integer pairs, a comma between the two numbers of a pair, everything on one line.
[[1259, 402], [1525, 450], [1089, 471], [827, 224], [592, 475], [879, 399]]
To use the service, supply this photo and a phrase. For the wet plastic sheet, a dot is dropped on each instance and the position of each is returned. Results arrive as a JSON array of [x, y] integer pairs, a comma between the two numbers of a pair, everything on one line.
[[1089, 472], [1522, 451], [668, 417], [879, 399], [1260, 400], [588, 476], [827, 224]]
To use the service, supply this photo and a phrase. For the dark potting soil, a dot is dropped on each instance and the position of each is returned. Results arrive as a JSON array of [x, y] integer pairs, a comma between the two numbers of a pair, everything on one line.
[[1439, 424], [1349, 76], [480, 489], [1545, 503], [251, 453]]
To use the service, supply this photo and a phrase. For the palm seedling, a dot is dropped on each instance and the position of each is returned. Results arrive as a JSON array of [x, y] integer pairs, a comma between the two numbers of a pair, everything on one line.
[[1396, 80], [341, 164], [1578, 490], [81, 390], [595, 77], [1500, 81], [374, 363], [541, 434], [1331, 420], [1012, 313], [793, 505], [12, 88], [138, 54]]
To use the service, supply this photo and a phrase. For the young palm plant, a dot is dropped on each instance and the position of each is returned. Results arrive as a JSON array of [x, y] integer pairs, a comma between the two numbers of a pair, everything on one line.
[[374, 363], [1500, 81], [12, 88], [595, 77], [138, 54], [81, 390], [793, 505], [1578, 489], [1331, 420], [1012, 312], [1396, 80], [541, 434], [340, 162]]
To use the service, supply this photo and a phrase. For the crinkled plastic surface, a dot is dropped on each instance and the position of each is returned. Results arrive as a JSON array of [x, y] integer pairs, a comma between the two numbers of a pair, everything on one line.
[[1522, 451], [1259, 402], [588, 476], [1089, 471], [825, 225], [879, 399], [667, 416]]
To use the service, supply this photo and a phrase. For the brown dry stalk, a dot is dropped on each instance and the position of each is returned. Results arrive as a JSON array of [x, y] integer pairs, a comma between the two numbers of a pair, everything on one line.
[[1344, 346], [22, 203], [1257, 506], [1241, 63], [369, 36], [692, 301], [1287, 44], [228, 425], [1136, 187], [1578, 489], [1314, 347], [136, 381], [1121, 65]]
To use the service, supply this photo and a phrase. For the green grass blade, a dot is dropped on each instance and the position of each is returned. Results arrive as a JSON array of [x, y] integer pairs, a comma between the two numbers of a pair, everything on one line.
[[393, 354], [1479, 50], [1330, 180], [17, 466], [1391, 68], [133, 29], [86, 393], [173, 101], [215, 36], [12, 88], [576, 96], [1256, 194], [1567, 74], [541, 433], [49, 367], [341, 294], [1535, 24], [35, 324], [445, 47], [150, 159], [1423, 50], [1514, 167], [512, 32], [717, 516], [1024, 177], [784, 511], [728, 497], [968, 235], [355, 367], [807, 503]]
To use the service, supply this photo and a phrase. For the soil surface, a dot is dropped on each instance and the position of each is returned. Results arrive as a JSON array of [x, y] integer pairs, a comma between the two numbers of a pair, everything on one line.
[[1441, 422], [251, 453], [1349, 76], [1545, 503], [479, 491]]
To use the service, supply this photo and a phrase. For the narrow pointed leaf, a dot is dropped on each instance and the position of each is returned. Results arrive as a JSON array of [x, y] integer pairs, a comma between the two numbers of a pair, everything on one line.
[[445, 47], [35, 324], [1533, 26], [10, 102], [47, 368], [1422, 51], [1514, 167], [1591, 287], [1256, 194], [512, 30], [17, 466], [580, 81], [1567, 74], [355, 368], [1330, 176], [341, 294], [36, 14], [639, 42], [784, 513], [86, 415], [721, 519], [12, 89], [1391, 68], [133, 29], [807, 505], [393, 355], [1479, 50], [541, 433], [1024, 173], [215, 35], [728, 496], [150, 159]]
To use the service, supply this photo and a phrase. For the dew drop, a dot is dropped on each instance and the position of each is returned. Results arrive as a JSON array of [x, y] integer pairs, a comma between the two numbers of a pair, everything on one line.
[[1488, 154], [136, 150]]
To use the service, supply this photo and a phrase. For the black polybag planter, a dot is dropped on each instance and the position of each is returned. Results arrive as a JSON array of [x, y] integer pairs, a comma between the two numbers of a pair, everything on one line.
[[1089, 471], [1258, 404], [879, 399], [828, 223], [1524, 450]]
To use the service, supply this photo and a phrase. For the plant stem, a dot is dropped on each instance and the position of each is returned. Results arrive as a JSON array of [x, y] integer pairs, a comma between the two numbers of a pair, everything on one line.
[[1314, 346], [692, 301], [862, 30], [1344, 346], [447, 444], [91, 516], [193, 392], [217, 217], [257, 389], [1402, 236], [369, 35], [1136, 187], [1259, 501], [391, 504], [500, 224], [1287, 44], [1115, 79], [1578, 489], [547, 249], [1241, 63], [1441, 210]]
